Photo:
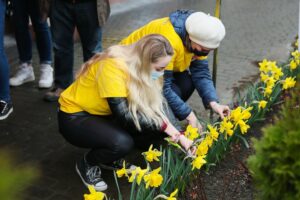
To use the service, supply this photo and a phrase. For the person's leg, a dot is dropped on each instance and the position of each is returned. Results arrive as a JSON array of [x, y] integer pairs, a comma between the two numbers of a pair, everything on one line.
[[183, 85], [88, 28], [24, 43], [106, 140], [5, 100], [43, 41], [62, 29]]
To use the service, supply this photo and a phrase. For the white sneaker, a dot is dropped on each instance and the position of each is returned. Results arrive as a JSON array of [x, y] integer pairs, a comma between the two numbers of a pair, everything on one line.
[[23, 75], [46, 76]]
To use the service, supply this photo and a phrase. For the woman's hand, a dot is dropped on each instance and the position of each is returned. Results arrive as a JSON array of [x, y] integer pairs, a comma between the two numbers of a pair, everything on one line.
[[221, 110], [193, 121], [185, 142]]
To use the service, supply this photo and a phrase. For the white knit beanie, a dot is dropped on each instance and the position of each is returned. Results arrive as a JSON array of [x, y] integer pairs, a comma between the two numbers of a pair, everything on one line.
[[205, 30]]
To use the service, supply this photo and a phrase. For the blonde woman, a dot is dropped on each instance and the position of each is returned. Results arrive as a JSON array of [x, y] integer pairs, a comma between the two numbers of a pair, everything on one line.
[[116, 101]]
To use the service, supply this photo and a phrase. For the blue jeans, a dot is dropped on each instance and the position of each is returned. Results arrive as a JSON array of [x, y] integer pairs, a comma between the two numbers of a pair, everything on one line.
[[4, 68], [23, 9], [64, 17]]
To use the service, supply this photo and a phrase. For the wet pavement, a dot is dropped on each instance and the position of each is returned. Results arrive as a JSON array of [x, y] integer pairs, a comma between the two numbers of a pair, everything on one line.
[[255, 30]]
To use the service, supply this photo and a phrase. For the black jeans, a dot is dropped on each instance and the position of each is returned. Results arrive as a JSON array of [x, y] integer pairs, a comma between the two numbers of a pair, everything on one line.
[[183, 85], [106, 139]]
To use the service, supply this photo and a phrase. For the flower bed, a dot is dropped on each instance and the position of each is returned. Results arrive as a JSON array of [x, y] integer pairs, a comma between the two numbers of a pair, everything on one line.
[[177, 166]]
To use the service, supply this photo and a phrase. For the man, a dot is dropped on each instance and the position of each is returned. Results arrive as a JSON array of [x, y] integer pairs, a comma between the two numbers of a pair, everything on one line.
[[192, 35], [88, 16]]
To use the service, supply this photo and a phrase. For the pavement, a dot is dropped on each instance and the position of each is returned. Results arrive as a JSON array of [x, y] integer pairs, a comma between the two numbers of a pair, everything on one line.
[[254, 30]]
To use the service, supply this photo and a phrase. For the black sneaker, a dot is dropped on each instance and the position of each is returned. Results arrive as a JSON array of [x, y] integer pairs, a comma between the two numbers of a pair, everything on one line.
[[118, 164], [5, 109], [90, 175]]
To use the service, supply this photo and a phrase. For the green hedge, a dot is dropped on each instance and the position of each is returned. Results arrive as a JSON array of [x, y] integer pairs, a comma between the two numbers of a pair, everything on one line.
[[276, 163]]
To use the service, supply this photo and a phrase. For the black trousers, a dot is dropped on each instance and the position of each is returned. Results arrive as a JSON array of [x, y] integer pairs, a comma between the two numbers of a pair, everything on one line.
[[104, 137]]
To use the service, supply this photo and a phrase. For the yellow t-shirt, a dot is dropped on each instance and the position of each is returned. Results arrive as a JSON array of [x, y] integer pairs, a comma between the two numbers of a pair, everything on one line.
[[105, 78], [182, 58]]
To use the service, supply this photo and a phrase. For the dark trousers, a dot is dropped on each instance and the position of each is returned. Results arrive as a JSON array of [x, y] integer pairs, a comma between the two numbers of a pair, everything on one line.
[[4, 68], [104, 137], [22, 10], [64, 17], [183, 85]]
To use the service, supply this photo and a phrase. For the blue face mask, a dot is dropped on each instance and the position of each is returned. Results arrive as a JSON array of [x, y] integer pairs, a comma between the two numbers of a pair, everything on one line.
[[155, 74]]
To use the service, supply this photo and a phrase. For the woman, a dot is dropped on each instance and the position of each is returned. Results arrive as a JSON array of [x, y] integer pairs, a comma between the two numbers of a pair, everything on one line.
[[115, 101], [192, 35]]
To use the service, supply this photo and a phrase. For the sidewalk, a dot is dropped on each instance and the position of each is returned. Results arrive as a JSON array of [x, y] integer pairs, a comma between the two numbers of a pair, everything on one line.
[[255, 30]]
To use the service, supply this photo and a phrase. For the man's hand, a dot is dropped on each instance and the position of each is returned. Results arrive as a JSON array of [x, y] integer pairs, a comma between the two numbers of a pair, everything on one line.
[[221, 110]]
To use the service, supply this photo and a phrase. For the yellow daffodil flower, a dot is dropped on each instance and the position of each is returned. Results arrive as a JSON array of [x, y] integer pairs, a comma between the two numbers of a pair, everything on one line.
[[213, 132], [296, 43], [263, 77], [152, 155], [262, 104], [172, 196], [153, 179], [94, 195], [263, 66], [138, 173], [198, 162], [202, 148], [296, 54], [293, 65], [243, 126], [122, 172], [270, 81], [268, 91], [277, 73], [208, 140], [288, 83], [226, 126], [191, 132]]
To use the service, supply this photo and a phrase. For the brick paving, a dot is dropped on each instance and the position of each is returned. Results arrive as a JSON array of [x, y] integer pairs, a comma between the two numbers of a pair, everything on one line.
[[255, 30]]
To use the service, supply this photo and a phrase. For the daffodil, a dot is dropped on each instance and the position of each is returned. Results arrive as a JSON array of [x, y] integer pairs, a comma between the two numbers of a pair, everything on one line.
[[293, 65], [226, 126], [262, 104], [122, 172], [296, 54], [213, 132], [243, 126], [270, 81], [296, 43], [288, 83], [277, 72], [263, 77], [191, 132], [268, 91], [172, 196], [94, 195], [153, 179], [263, 66], [202, 148], [208, 140], [138, 173], [152, 155], [198, 162]]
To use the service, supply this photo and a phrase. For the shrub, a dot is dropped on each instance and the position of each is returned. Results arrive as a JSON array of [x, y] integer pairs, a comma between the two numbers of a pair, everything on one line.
[[276, 163]]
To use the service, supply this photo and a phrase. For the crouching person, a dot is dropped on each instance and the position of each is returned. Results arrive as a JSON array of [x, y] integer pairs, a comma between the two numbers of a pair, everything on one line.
[[115, 101]]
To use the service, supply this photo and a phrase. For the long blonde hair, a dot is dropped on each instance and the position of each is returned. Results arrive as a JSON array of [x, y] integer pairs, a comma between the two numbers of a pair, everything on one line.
[[144, 94]]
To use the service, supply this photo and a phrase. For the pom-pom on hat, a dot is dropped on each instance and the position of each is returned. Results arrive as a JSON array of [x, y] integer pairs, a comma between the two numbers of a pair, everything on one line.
[[205, 30]]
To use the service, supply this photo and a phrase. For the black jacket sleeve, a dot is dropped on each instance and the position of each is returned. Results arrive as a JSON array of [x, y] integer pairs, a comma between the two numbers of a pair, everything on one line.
[[120, 111]]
